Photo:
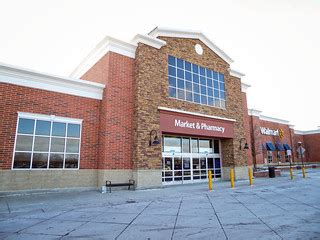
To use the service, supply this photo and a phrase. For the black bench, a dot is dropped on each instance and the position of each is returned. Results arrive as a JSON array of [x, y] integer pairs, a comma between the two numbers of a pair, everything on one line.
[[109, 184]]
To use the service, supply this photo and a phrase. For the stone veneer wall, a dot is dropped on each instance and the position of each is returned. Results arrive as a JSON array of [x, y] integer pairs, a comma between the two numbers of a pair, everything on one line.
[[151, 91]]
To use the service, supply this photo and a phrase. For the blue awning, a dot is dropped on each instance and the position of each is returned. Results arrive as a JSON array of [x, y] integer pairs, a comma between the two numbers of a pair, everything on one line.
[[279, 147], [286, 146], [270, 146]]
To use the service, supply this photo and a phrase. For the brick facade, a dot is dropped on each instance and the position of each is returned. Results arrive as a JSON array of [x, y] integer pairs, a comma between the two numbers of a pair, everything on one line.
[[116, 110], [16, 99], [151, 91], [259, 153], [116, 129]]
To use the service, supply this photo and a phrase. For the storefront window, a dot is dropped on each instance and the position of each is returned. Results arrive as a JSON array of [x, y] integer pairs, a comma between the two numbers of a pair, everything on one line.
[[186, 145], [45, 142], [205, 146], [193, 83], [172, 144], [269, 156], [278, 156], [195, 145]]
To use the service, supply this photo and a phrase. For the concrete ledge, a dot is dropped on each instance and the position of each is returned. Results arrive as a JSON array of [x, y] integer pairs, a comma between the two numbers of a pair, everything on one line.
[[240, 173], [148, 178], [265, 173], [17, 180]]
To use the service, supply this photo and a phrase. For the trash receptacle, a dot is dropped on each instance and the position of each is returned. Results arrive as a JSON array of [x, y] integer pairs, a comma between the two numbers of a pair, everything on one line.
[[272, 172]]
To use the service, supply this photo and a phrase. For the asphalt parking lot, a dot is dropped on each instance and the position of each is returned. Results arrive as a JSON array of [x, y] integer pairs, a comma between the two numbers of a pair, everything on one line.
[[271, 209]]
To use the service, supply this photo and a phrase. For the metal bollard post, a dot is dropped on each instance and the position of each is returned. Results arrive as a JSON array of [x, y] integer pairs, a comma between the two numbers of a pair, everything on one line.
[[232, 177], [291, 173], [250, 176], [303, 172], [210, 179]]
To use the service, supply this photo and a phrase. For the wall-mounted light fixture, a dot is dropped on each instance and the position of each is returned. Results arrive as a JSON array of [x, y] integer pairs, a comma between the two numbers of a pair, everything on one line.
[[154, 140], [246, 146]]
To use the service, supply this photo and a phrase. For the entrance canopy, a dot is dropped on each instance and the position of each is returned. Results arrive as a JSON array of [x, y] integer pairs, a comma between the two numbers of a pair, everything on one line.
[[270, 146]]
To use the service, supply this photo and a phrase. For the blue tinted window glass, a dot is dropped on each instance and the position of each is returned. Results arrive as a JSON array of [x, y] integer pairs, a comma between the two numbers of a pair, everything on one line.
[[209, 73], [217, 162], [189, 86], [214, 75], [221, 77], [196, 98], [43, 127], [172, 60], [196, 88], [216, 84], [195, 68], [58, 129], [172, 82], [181, 94], [180, 73], [190, 82], [203, 90], [26, 126], [203, 99], [172, 92], [210, 101], [180, 83], [202, 71], [73, 130], [195, 78], [188, 75], [172, 71], [203, 80], [187, 66], [180, 63], [189, 96], [221, 86]]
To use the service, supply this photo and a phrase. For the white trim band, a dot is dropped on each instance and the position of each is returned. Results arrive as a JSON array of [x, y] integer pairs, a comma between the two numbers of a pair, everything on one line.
[[257, 113], [196, 114], [49, 117], [309, 132], [235, 73], [107, 44], [179, 33], [148, 40], [30, 78]]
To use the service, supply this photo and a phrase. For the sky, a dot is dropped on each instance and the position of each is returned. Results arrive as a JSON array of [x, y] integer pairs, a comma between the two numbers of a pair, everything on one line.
[[276, 43]]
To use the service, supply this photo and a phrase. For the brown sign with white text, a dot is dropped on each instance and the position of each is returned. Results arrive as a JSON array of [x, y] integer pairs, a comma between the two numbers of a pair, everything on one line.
[[178, 123]]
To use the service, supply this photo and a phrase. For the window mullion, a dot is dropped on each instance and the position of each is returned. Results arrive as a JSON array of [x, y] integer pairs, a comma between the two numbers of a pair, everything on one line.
[[49, 151], [33, 139]]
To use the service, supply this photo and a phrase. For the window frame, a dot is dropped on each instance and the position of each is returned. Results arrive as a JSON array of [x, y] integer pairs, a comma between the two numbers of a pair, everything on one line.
[[222, 101], [51, 119]]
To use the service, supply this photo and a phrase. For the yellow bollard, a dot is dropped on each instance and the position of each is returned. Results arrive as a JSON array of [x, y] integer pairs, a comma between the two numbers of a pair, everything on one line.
[[210, 180], [291, 173], [232, 177], [250, 176], [303, 172]]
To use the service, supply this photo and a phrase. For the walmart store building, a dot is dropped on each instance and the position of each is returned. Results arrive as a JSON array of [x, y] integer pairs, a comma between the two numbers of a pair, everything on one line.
[[162, 109]]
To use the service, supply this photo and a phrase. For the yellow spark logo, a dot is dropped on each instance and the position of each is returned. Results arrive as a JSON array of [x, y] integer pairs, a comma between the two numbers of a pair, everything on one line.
[[281, 133]]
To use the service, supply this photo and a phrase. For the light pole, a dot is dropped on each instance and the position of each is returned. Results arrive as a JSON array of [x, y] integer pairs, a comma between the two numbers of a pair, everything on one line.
[[301, 155]]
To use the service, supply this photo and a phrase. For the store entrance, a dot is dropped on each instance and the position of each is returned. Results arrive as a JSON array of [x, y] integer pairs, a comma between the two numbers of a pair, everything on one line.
[[186, 160]]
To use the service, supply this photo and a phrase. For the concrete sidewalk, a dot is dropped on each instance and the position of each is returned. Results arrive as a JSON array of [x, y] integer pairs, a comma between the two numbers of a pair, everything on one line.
[[271, 209]]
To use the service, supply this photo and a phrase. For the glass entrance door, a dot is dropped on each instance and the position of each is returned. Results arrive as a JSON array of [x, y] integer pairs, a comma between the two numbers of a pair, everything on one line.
[[186, 160]]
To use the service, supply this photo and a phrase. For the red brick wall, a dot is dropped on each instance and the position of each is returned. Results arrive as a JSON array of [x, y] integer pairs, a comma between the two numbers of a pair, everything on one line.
[[312, 146], [259, 139], [16, 98], [116, 112], [311, 142]]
